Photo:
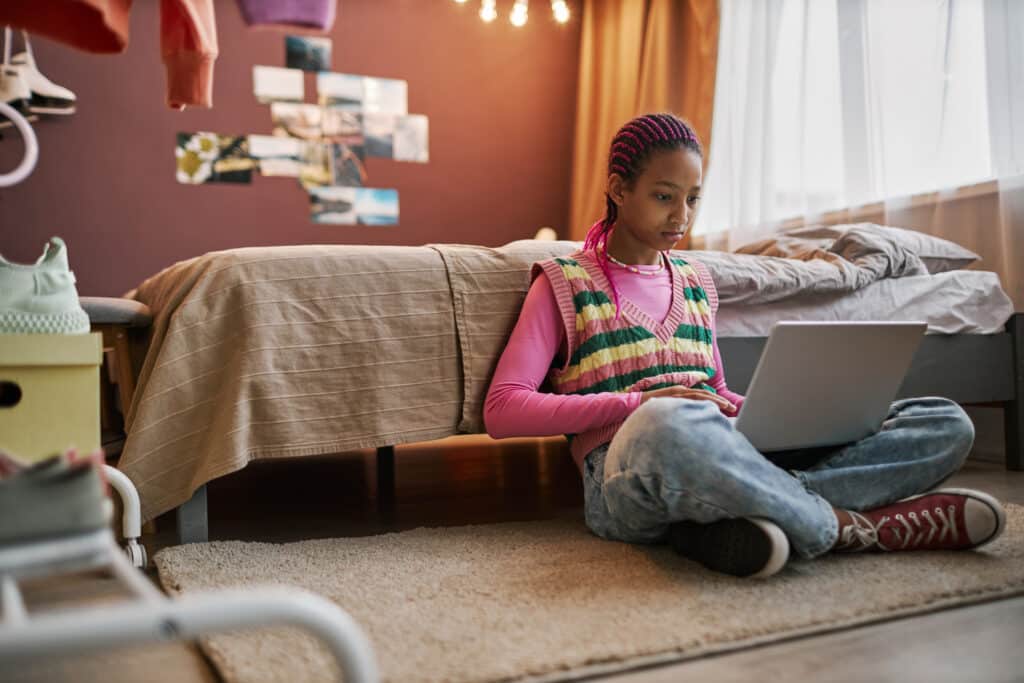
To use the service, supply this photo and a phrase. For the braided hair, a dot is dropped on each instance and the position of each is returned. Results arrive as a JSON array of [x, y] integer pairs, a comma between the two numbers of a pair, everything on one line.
[[631, 147]]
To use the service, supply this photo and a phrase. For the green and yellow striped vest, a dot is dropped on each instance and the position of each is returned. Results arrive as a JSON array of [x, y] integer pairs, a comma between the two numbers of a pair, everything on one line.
[[633, 352]]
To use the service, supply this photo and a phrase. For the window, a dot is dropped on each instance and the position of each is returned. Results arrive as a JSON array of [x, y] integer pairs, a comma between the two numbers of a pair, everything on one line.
[[830, 104]]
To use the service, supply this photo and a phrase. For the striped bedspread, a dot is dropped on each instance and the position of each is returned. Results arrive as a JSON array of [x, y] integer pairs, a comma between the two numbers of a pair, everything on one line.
[[292, 351]]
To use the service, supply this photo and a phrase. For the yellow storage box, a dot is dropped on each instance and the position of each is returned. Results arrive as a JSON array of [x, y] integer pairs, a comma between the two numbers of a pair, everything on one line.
[[49, 393]]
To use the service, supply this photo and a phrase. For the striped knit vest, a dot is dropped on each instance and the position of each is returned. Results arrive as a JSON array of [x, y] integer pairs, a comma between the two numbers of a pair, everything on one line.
[[635, 352]]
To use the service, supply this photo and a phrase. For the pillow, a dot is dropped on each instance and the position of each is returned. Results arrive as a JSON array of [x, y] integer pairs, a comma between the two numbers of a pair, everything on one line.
[[938, 255]]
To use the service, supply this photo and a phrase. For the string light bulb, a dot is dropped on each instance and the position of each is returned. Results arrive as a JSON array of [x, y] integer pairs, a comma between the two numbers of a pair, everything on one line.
[[561, 11], [488, 11], [519, 11]]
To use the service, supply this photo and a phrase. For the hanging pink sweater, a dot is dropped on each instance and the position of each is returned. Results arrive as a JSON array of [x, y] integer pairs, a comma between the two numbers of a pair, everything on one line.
[[514, 405]]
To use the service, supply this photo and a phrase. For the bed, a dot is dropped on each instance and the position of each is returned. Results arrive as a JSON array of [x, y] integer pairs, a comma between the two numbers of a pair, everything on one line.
[[291, 351]]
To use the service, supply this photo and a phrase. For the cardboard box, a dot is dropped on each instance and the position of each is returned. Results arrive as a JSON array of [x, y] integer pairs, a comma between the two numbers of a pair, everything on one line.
[[49, 393]]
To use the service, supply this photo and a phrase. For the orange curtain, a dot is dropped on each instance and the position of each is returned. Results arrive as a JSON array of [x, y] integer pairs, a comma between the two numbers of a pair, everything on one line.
[[637, 57]]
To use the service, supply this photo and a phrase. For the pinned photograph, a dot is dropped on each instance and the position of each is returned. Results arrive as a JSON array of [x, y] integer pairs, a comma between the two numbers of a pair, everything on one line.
[[353, 206], [379, 134], [385, 96], [315, 165], [277, 156], [342, 126], [211, 158], [343, 91], [410, 140], [307, 53], [334, 205], [347, 168], [274, 84], [376, 207], [297, 120]]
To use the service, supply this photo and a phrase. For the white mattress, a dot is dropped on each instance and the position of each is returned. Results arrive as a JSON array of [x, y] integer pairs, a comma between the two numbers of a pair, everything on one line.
[[958, 301]]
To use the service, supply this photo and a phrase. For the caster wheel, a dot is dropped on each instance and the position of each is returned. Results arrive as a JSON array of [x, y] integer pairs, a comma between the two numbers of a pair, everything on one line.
[[136, 554]]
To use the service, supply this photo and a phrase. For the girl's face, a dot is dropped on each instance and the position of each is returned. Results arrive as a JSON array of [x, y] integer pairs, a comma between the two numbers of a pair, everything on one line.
[[659, 208]]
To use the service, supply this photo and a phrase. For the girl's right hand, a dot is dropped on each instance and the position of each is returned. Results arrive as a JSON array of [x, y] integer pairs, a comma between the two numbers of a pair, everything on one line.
[[687, 392]]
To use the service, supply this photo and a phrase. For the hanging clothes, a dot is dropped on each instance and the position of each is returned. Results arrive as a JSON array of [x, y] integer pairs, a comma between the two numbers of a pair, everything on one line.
[[318, 14], [188, 46], [188, 36]]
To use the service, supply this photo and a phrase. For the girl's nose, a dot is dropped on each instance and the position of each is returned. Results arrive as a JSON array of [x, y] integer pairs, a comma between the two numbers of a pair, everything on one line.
[[678, 214]]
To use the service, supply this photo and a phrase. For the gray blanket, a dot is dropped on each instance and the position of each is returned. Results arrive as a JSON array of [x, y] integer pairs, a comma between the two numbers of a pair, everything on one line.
[[784, 267]]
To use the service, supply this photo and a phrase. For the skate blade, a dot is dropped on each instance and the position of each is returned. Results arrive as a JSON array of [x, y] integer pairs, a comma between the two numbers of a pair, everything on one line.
[[57, 111]]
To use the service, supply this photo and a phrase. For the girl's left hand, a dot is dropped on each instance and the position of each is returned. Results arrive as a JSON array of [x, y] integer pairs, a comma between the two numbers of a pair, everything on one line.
[[694, 394]]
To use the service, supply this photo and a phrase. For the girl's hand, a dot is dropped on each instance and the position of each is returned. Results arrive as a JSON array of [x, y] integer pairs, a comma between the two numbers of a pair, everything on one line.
[[686, 392]]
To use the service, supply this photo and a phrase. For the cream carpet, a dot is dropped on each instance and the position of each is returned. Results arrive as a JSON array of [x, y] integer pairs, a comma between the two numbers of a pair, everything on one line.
[[549, 601]]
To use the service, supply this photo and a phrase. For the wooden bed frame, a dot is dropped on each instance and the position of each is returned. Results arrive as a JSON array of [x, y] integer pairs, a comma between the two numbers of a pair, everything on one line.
[[971, 369]]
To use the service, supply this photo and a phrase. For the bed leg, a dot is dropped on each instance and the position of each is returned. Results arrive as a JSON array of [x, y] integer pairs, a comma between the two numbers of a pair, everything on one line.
[[385, 479], [191, 518], [1013, 412]]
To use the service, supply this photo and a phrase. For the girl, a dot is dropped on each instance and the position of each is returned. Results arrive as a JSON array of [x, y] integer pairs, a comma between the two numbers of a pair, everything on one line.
[[623, 332]]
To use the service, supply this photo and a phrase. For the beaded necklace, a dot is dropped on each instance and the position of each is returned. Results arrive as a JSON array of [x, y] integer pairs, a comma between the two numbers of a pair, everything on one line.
[[635, 269]]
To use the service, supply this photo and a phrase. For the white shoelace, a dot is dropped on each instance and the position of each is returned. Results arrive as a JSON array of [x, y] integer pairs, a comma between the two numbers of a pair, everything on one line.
[[909, 531]]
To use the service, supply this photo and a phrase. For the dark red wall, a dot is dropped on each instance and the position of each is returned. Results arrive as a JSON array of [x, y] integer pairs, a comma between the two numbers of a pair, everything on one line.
[[501, 104]]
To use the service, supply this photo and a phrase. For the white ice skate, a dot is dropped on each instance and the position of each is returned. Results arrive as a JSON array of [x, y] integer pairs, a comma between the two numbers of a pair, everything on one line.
[[45, 96], [13, 88]]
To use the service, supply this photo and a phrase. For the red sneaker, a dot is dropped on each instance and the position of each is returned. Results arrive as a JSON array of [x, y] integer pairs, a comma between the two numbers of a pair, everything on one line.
[[945, 519]]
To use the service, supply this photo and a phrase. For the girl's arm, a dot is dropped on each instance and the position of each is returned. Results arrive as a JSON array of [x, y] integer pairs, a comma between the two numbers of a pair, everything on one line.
[[515, 407]]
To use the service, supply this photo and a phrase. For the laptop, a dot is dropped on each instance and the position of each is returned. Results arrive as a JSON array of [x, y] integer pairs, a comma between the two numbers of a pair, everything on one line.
[[826, 383]]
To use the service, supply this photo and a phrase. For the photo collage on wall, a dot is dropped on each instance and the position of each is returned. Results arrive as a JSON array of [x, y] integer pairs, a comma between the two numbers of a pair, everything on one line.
[[323, 145]]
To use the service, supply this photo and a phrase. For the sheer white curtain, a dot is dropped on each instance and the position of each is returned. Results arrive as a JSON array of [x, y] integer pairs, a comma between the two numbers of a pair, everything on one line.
[[845, 110]]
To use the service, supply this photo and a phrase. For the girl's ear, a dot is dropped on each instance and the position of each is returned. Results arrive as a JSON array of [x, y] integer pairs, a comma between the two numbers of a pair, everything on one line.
[[615, 188]]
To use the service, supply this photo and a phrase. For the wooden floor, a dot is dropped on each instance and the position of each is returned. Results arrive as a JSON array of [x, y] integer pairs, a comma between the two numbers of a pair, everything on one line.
[[469, 480]]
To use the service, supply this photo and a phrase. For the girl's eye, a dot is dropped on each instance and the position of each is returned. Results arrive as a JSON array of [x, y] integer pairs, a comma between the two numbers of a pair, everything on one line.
[[693, 200], [662, 197]]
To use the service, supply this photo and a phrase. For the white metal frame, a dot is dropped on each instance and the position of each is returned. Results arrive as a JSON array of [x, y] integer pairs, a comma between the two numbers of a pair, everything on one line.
[[131, 515], [152, 616]]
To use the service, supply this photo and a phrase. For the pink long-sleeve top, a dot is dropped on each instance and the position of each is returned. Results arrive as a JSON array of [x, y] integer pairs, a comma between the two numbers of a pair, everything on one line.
[[514, 405]]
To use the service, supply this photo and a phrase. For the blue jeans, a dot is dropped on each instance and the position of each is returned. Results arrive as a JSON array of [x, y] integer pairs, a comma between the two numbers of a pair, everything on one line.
[[679, 459]]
